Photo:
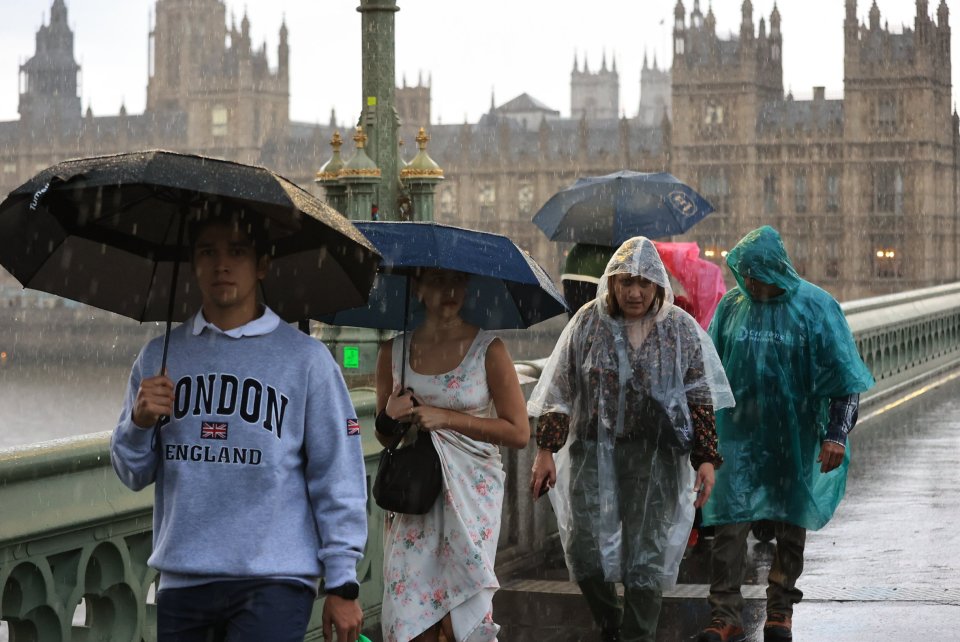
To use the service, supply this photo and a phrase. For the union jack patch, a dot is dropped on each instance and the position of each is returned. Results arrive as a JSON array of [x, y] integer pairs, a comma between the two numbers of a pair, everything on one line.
[[213, 430], [353, 427]]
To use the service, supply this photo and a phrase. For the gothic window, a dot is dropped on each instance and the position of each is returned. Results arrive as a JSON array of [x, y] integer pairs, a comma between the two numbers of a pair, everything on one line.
[[800, 192], [678, 46], [775, 52], [448, 200], [832, 203], [525, 198], [713, 114], [716, 188], [887, 112], [888, 190], [832, 260], [219, 118], [487, 199], [770, 198]]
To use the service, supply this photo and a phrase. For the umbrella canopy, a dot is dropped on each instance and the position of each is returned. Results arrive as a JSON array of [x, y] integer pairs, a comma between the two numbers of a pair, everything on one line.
[[608, 210], [109, 232], [507, 288]]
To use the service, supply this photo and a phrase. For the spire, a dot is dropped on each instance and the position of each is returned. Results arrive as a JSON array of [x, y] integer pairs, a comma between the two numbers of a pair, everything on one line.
[[943, 14], [404, 76], [874, 16], [614, 58], [575, 69], [775, 21], [655, 61], [586, 65], [493, 104], [420, 78], [645, 58], [851, 11], [245, 26], [711, 22], [603, 61], [333, 119], [696, 18], [746, 22]]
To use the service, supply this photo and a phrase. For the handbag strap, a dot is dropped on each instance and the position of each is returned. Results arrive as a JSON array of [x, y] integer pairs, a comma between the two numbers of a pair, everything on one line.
[[405, 430]]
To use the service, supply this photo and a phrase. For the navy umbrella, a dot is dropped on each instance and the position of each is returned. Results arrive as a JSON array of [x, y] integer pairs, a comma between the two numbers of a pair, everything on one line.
[[608, 210], [507, 288]]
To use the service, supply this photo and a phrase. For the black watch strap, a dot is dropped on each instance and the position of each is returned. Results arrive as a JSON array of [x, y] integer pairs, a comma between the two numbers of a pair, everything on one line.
[[348, 591]]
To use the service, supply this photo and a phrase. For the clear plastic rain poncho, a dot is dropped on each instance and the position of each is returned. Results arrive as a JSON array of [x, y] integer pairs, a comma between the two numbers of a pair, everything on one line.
[[786, 357], [624, 494]]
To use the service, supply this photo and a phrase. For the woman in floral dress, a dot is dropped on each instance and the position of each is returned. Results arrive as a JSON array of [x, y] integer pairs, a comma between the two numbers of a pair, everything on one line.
[[438, 567]]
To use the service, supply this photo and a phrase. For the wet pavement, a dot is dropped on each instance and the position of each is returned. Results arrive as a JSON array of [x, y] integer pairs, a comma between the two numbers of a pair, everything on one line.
[[887, 567]]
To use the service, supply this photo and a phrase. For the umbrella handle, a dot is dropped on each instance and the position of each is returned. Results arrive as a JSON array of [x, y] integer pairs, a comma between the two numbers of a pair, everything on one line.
[[170, 305]]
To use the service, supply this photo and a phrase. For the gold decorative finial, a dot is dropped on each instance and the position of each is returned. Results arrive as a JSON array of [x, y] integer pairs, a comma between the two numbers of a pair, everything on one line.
[[359, 137], [422, 139], [337, 141]]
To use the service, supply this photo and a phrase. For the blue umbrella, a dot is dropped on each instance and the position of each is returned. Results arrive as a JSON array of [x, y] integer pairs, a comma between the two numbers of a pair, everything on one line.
[[608, 210], [507, 288]]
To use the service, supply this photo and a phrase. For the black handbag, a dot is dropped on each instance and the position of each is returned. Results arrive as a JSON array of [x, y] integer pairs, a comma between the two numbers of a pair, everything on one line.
[[409, 479]]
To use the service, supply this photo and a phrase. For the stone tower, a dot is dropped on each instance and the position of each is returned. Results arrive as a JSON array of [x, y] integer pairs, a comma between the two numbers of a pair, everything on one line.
[[413, 103], [48, 84], [232, 99], [594, 96], [655, 94], [719, 89], [903, 195]]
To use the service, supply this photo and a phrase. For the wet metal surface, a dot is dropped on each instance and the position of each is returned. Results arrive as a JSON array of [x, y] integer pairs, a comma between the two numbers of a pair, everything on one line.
[[887, 567]]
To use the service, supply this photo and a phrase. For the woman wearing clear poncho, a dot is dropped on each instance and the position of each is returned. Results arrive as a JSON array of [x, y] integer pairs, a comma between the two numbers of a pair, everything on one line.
[[626, 402]]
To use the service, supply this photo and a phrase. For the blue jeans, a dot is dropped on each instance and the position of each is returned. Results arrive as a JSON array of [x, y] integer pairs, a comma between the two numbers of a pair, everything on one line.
[[235, 611]]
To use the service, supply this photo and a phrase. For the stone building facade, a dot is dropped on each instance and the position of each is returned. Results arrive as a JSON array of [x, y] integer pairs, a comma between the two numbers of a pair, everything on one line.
[[864, 189]]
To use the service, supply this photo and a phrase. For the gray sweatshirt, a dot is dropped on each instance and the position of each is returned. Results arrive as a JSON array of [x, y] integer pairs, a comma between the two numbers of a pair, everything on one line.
[[259, 473]]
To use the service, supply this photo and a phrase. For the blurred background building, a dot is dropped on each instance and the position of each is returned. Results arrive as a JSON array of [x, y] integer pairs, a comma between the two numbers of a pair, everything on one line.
[[864, 188]]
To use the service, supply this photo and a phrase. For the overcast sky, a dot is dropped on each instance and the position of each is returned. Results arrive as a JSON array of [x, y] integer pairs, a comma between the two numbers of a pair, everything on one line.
[[469, 49]]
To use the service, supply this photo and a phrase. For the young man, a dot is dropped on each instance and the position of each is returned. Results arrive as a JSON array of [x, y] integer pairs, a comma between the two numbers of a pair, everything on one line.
[[797, 376], [258, 470]]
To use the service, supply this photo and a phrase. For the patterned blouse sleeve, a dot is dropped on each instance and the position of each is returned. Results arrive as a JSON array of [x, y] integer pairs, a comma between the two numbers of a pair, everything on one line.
[[704, 437], [552, 431]]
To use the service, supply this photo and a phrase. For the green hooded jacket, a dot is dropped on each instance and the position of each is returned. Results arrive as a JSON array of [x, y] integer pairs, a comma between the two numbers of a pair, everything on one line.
[[785, 358]]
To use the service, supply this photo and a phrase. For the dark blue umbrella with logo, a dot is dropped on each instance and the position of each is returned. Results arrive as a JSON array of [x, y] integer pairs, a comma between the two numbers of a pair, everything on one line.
[[506, 289], [608, 210]]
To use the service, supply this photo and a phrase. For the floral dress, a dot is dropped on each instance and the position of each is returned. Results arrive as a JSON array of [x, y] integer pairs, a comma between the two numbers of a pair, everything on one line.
[[442, 562]]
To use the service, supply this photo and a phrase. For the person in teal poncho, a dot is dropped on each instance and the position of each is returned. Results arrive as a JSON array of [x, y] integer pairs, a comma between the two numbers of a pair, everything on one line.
[[796, 376]]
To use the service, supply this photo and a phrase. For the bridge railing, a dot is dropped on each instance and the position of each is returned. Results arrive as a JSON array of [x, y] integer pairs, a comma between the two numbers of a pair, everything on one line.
[[74, 542]]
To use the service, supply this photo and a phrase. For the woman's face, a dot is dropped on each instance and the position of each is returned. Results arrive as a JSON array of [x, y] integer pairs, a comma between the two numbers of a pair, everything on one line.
[[442, 291], [634, 294]]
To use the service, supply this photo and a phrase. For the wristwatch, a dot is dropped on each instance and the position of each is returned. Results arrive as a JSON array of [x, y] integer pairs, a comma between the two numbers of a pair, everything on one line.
[[348, 591]]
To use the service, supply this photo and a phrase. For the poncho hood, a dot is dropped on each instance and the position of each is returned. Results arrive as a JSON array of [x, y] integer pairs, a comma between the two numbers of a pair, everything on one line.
[[761, 255]]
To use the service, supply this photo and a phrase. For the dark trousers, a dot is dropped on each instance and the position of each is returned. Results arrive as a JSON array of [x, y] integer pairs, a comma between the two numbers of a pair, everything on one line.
[[235, 611], [635, 619], [640, 501], [728, 567]]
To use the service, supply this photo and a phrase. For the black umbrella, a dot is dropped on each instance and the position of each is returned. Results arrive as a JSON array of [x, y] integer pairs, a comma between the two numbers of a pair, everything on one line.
[[110, 232]]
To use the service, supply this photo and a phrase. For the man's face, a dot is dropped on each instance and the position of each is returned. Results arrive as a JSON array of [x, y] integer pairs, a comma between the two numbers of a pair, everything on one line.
[[226, 266], [761, 291]]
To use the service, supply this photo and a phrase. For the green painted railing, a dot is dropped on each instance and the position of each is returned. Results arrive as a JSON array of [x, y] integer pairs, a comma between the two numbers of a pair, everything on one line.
[[74, 542]]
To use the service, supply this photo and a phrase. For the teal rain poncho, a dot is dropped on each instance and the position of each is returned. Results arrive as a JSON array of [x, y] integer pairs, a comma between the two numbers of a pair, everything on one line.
[[624, 492], [786, 357]]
